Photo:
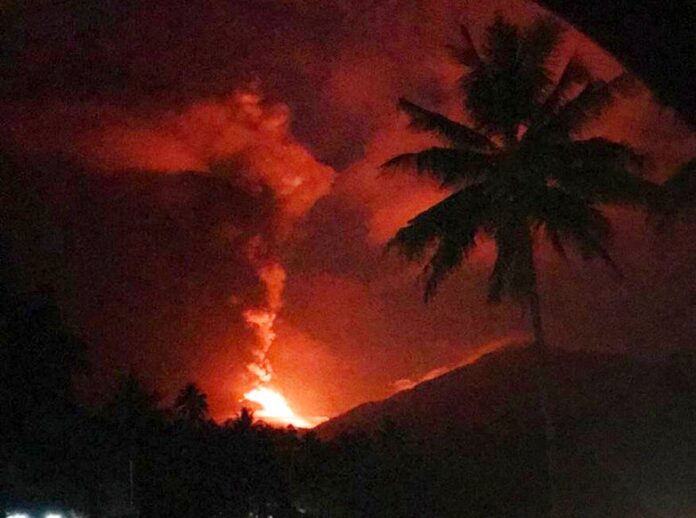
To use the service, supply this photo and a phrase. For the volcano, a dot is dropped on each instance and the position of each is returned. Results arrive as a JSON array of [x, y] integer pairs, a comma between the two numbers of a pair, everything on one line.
[[622, 425]]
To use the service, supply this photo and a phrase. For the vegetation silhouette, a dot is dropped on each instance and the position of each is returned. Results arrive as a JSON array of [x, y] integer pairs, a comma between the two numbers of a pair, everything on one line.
[[191, 406], [39, 355], [519, 172]]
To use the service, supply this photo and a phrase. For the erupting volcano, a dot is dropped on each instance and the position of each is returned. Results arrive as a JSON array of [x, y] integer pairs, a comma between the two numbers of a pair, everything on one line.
[[274, 407]]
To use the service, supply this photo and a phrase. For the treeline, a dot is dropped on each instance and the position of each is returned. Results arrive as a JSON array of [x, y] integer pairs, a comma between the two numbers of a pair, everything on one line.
[[133, 456]]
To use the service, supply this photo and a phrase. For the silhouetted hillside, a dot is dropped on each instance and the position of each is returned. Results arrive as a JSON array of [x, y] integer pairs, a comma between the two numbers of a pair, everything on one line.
[[625, 429]]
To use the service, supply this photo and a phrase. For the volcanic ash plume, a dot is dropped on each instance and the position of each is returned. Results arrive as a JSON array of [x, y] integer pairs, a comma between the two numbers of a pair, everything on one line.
[[262, 319], [240, 138], [274, 406]]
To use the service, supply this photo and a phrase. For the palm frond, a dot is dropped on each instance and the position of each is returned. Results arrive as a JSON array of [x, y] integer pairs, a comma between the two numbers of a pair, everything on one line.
[[538, 46], [512, 274], [541, 40], [451, 226], [602, 171], [465, 54], [451, 167], [502, 44], [575, 220], [591, 103], [573, 74], [447, 257], [456, 133]]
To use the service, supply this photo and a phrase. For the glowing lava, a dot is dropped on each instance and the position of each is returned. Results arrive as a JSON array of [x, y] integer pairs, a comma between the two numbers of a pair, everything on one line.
[[274, 407]]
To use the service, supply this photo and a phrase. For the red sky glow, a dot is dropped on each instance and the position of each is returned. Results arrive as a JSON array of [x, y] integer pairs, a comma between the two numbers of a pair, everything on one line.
[[230, 125]]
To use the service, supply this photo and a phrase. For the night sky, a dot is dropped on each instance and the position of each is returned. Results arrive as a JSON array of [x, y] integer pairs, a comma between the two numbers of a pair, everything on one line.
[[153, 143]]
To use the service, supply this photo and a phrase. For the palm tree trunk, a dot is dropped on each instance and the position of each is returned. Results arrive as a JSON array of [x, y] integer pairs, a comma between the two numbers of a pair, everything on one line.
[[543, 381], [542, 369]]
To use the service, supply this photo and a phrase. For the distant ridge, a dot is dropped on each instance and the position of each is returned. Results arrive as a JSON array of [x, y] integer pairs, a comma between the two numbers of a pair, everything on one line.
[[499, 388]]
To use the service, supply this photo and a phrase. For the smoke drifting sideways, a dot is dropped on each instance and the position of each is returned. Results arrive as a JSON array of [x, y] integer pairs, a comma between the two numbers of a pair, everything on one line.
[[237, 136]]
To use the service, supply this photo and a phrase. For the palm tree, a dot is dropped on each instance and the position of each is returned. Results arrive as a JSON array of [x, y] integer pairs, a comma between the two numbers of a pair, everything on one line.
[[191, 406], [519, 172]]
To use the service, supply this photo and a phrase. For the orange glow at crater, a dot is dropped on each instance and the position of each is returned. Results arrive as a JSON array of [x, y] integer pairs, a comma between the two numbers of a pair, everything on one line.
[[276, 410]]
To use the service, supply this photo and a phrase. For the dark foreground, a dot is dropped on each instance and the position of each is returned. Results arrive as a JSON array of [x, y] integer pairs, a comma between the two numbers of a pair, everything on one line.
[[469, 443]]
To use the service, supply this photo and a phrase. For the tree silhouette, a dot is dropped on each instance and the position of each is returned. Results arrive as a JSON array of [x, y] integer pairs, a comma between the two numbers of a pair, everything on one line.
[[245, 420], [520, 172], [191, 406], [39, 355]]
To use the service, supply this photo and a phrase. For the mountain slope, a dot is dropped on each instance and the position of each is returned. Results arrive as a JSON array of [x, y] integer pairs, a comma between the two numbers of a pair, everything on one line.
[[499, 388], [626, 433]]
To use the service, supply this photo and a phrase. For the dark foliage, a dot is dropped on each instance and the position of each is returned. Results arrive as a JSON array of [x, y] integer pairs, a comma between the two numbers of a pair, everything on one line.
[[521, 168]]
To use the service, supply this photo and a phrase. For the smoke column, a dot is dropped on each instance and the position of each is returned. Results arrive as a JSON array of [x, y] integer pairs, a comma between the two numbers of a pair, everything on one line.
[[274, 407]]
